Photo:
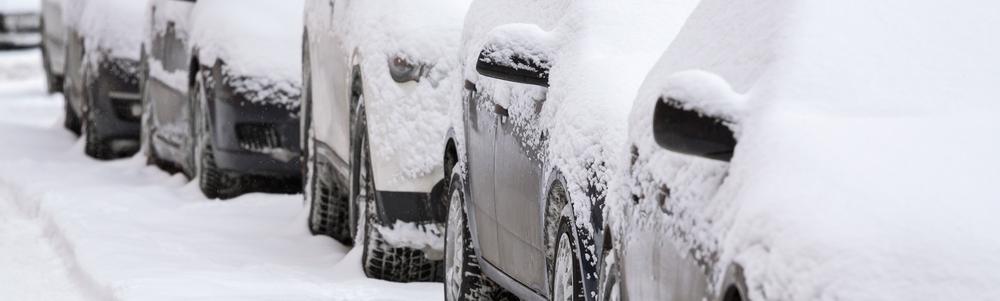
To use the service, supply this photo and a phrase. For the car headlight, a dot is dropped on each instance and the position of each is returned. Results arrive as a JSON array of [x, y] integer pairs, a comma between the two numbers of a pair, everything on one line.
[[403, 70]]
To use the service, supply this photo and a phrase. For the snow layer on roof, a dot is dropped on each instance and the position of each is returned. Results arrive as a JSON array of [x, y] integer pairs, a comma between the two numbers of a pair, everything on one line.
[[407, 121], [601, 51], [20, 6], [112, 27], [865, 166], [259, 40]]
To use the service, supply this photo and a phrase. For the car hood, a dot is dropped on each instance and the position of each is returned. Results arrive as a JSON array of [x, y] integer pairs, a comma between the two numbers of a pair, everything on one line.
[[255, 38]]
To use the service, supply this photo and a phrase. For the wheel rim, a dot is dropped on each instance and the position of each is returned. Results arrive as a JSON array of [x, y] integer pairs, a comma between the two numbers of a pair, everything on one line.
[[564, 283], [455, 253]]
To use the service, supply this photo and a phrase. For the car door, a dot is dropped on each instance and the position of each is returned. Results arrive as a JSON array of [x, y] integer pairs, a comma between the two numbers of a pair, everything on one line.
[[518, 88], [481, 124], [169, 64], [518, 162]]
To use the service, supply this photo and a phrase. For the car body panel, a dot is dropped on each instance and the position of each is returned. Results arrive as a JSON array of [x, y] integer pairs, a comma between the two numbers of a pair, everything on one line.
[[256, 131], [350, 45]]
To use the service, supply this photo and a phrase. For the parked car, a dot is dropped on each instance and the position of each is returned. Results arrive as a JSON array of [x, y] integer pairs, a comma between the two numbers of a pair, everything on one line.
[[20, 23], [379, 77], [547, 91], [53, 44], [221, 92], [813, 151], [101, 75]]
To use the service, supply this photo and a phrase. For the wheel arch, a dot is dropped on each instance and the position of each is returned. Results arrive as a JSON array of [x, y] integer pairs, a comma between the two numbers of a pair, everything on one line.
[[557, 197]]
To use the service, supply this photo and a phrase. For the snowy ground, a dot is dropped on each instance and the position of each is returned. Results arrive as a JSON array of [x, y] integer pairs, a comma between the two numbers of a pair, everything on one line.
[[72, 228]]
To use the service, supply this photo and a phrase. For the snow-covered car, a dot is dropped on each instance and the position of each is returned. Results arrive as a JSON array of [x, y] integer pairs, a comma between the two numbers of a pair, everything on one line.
[[101, 75], [811, 150], [548, 87], [221, 89], [379, 75], [53, 44], [20, 23]]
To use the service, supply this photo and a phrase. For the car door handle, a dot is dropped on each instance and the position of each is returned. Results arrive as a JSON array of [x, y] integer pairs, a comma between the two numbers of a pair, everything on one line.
[[500, 110]]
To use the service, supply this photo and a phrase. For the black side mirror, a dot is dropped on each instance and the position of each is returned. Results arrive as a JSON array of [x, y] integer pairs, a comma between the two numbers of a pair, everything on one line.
[[509, 66], [690, 132]]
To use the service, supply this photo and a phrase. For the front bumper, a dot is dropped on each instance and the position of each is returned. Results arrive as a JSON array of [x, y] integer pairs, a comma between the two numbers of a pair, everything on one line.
[[115, 93], [20, 30], [256, 138], [412, 207]]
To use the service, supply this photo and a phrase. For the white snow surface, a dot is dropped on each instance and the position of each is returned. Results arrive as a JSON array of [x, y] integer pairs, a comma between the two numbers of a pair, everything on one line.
[[124, 231], [259, 40], [20, 6], [865, 168], [600, 52], [407, 121], [111, 27]]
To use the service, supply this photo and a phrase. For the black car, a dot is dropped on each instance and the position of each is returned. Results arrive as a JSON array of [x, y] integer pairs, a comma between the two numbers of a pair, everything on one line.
[[101, 81], [235, 131]]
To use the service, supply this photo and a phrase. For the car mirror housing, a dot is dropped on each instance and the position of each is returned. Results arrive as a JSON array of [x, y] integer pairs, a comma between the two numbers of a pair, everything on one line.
[[690, 132], [505, 64]]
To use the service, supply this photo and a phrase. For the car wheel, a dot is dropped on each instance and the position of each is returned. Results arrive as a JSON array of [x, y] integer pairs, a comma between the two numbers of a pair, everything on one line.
[[463, 279], [381, 260], [95, 145], [566, 281], [71, 121], [214, 183]]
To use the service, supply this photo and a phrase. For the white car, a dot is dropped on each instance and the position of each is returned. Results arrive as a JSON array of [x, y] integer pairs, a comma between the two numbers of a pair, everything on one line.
[[379, 75], [20, 23], [548, 87], [815, 150], [101, 74]]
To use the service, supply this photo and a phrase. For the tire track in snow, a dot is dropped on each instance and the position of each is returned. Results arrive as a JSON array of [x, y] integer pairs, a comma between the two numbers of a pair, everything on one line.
[[36, 264]]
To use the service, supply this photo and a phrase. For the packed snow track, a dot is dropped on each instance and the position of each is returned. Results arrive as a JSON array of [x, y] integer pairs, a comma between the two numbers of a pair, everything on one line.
[[73, 228]]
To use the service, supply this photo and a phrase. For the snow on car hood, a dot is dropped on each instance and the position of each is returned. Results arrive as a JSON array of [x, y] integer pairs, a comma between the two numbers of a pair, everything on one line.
[[412, 117], [865, 168], [601, 52], [20, 6], [259, 40], [111, 27]]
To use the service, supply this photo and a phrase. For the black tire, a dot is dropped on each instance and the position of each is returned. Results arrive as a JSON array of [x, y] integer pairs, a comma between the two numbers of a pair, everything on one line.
[[95, 144], [214, 182], [381, 260], [463, 279], [71, 121], [567, 283]]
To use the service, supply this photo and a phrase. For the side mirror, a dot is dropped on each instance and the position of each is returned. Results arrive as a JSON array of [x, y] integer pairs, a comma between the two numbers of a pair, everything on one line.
[[510, 66], [689, 132]]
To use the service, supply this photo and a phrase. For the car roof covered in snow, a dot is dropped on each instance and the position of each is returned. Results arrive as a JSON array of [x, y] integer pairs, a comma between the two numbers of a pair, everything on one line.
[[865, 165]]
